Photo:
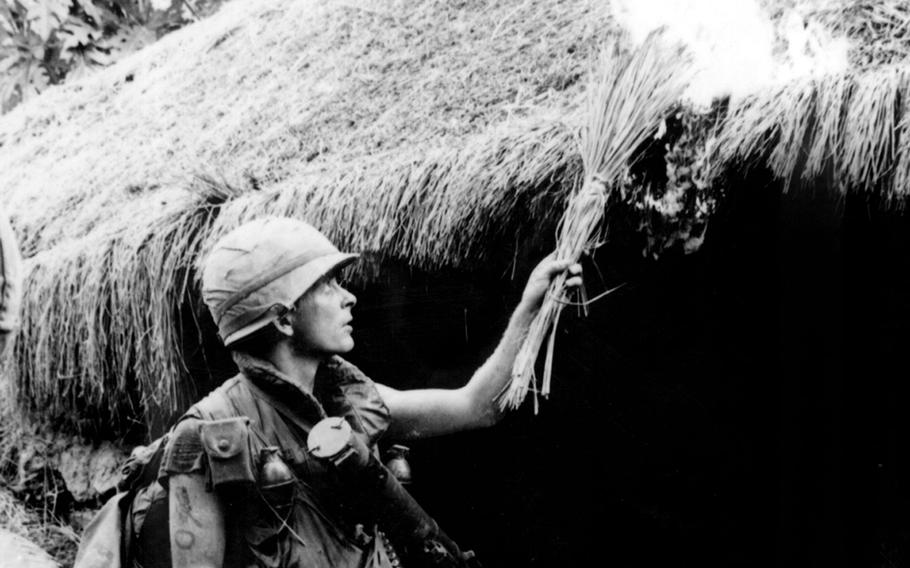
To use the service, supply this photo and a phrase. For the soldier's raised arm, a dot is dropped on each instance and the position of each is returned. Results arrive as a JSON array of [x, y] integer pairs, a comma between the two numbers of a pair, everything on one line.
[[420, 413]]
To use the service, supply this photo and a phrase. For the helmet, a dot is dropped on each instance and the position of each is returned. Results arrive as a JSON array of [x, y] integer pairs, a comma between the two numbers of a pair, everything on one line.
[[255, 273]]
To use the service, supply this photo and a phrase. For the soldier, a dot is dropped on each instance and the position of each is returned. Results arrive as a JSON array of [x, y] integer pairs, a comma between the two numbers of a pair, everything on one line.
[[10, 282], [242, 489]]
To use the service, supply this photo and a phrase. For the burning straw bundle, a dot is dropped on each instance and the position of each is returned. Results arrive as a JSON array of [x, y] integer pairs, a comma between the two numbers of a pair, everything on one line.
[[627, 101]]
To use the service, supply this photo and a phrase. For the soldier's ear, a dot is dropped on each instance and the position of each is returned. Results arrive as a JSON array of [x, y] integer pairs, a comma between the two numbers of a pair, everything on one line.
[[283, 323]]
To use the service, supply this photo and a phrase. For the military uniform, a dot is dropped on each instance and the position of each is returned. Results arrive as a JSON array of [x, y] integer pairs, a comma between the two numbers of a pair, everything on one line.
[[310, 521]]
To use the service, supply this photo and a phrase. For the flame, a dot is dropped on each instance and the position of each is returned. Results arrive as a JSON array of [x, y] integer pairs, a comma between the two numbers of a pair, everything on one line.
[[737, 48]]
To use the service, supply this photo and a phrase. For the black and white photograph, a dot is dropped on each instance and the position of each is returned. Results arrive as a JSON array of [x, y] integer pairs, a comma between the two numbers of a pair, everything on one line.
[[454, 283]]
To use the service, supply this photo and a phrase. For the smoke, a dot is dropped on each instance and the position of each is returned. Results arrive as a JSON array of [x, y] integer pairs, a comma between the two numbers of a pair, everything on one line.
[[737, 48]]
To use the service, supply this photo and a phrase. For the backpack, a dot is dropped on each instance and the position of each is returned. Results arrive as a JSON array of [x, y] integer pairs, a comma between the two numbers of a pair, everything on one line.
[[107, 539]]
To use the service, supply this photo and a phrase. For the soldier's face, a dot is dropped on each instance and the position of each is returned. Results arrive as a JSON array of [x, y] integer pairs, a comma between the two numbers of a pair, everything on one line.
[[322, 319]]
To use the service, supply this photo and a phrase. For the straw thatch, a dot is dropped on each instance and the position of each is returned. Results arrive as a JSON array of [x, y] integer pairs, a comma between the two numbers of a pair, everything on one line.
[[877, 30], [851, 128], [423, 131], [880, 29]]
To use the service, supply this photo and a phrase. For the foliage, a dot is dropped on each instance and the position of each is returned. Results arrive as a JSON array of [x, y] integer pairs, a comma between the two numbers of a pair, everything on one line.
[[32, 518], [42, 42]]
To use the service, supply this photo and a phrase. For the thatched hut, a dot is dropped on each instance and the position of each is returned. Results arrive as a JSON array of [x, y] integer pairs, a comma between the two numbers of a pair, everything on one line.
[[381, 125], [700, 412]]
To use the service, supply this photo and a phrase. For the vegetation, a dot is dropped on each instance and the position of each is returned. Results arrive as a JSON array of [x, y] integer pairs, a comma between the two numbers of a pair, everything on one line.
[[21, 525], [43, 42]]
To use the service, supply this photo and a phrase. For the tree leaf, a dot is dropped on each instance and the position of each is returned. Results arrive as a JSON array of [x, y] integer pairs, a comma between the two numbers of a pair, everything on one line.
[[98, 57], [36, 48], [44, 16], [76, 33], [8, 63], [91, 11], [7, 88], [6, 19], [128, 40], [80, 69], [37, 82], [161, 5]]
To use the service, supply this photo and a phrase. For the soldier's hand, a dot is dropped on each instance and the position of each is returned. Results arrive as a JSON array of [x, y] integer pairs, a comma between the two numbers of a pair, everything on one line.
[[543, 274]]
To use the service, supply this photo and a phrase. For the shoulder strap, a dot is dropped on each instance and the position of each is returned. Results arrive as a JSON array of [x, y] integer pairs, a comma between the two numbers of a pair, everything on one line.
[[218, 404]]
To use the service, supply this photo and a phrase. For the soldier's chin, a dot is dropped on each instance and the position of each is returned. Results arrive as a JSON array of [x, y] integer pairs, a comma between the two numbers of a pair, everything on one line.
[[347, 346]]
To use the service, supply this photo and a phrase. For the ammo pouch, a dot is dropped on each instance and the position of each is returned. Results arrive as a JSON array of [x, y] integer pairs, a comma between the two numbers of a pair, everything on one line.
[[227, 445]]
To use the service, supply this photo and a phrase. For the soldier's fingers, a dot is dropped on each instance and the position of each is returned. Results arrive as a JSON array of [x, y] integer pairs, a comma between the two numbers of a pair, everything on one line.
[[553, 267]]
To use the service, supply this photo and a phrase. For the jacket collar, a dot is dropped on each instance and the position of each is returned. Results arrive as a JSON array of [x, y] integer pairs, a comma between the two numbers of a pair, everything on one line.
[[277, 385]]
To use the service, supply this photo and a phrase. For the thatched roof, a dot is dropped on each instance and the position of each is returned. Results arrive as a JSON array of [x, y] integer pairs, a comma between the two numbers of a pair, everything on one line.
[[421, 131], [408, 130], [880, 29], [851, 129]]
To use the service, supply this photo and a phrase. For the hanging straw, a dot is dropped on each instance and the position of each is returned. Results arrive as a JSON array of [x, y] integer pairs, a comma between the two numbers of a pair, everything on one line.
[[627, 101]]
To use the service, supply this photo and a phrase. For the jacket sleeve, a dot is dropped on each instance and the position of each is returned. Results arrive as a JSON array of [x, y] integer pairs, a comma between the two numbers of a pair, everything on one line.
[[356, 396]]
